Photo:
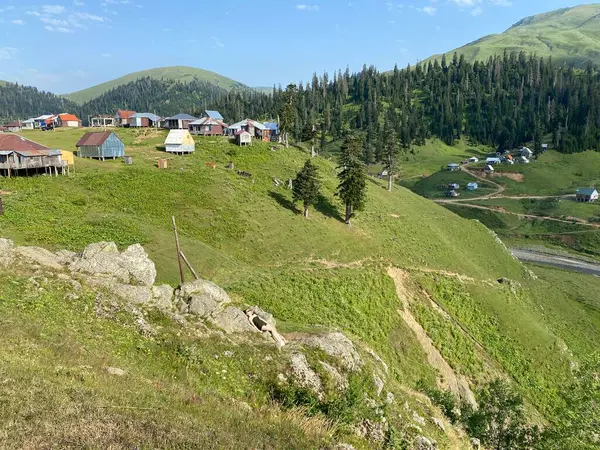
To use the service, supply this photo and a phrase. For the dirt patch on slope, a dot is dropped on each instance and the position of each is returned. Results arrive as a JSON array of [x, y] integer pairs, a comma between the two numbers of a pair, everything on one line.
[[448, 379], [147, 135], [518, 177]]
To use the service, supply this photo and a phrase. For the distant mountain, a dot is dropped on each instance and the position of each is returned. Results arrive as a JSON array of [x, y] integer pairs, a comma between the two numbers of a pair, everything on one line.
[[182, 74], [570, 35]]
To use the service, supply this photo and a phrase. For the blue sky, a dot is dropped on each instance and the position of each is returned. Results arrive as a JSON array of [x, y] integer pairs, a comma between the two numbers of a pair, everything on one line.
[[63, 46]]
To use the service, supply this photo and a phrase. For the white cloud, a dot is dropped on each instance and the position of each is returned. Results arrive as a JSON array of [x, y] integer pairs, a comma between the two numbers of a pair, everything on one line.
[[463, 3], [505, 3], [430, 10], [58, 29], [7, 52], [33, 13], [477, 11], [106, 55], [54, 22], [18, 22], [78, 3], [218, 42], [307, 7], [53, 9], [90, 17]]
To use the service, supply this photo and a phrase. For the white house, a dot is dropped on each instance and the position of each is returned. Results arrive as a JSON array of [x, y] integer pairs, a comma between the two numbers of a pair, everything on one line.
[[527, 153], [472, 159], [28, 124], [180, 141], [493, 161], [587, 195]]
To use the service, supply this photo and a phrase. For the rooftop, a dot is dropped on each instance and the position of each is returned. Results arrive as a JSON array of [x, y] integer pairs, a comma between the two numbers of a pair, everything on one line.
[[93, 139]]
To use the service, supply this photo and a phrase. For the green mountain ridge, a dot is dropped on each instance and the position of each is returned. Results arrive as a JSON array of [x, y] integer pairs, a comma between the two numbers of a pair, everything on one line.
[[182, 74], [570, 35]]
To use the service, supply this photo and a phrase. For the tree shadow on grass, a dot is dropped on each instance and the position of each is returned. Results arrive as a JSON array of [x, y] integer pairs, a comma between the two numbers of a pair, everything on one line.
[[283, 201], [328, 209]]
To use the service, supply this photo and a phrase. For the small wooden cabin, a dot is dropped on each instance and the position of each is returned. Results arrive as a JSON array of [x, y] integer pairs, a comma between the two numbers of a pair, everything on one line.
[[208, 126], [102, 145], [68, 121], [178, 122], [122, 117], [180, 141], [144, 120], [20, 156], [243, 138]]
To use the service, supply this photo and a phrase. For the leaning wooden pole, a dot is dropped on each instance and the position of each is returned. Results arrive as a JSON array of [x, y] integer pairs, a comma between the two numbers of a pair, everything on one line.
[[181, 274], [187, 263]]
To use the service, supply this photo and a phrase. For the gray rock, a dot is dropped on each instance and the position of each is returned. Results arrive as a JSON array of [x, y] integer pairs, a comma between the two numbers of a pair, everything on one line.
[[336, 345], [201, 297], [233, 320], [39, 256], [65, 257], [340, 381], [373, 431], [115, 371], [131, 294], [304, 375], [6, 248], [103, 258], [389, 399], [379, 384], [423, 443], [418, 419], [162, 296], [202, 306], [342, 447], [136, 261], [475, 443]]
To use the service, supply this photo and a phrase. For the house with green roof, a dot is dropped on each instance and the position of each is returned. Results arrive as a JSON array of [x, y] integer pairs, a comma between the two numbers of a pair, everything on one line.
[[586, 195]]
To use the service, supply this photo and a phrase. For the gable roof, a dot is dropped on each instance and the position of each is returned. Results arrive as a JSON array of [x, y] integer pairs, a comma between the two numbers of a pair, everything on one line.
[[94, 139], [246, 122], [586, 191], [44, 117], [152, 117], [182, 117], [207, 121], [28, 121], [16, 143], [69, 118], [176, 137], [272, 126], [124, 114], [213, 114]]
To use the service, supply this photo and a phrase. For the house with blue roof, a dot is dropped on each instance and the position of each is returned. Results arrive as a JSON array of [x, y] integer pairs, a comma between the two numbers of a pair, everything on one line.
[[144, 120], [472, 186], [178, 122], [587, 195], [213, 115]]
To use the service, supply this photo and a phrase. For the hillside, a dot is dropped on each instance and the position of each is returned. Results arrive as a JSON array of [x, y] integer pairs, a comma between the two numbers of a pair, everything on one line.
[[409, 279], [182, 74], [20, 102], [570, 35]]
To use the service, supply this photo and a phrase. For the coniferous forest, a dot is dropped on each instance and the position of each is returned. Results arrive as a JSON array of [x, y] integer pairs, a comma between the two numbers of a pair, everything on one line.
[[507, 101]]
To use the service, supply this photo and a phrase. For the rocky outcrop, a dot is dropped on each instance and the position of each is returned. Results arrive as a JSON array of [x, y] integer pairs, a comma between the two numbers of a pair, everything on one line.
[[423, 443], [6, 248], [38, 255], [338, 346], [339, 380], [304, 375]]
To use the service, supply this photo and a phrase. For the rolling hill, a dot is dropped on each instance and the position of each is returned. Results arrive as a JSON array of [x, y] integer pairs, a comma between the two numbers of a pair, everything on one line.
[[176, 73], [570, 35]]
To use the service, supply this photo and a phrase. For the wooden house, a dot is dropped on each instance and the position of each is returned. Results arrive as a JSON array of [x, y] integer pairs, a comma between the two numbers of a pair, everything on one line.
[[208, 126], [586, 195], [102, 121], [102, 145], [13, 126], [20, 156], [68, 121], [180, 141], [526, 153], [41, 122], [243, 138], [122, 117], [256, 129], [178, 122], [144, 120]]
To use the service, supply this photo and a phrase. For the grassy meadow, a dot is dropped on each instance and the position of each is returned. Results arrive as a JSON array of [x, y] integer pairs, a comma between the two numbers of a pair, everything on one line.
[[245, 234]]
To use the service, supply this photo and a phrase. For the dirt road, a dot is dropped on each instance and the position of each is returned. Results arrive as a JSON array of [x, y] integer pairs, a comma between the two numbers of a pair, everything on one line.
[[561, 262]]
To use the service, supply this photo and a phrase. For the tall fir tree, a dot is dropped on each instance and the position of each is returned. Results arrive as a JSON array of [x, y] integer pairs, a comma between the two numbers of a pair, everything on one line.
[[352, 189], [306, 186], [391, 153], [288, 112]]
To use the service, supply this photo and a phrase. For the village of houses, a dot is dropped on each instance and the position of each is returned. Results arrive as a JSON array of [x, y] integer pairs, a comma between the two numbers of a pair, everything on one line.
[[22, 156]]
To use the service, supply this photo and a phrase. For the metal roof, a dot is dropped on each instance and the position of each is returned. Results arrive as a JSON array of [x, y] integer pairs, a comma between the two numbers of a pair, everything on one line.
[[272, 126], [176, 137], [93, 139], [182, 117], [207, 121], [28, 121], [14, 142], [151, 116], [44, 117], [586, 191], [213, 114], [246, 122], [124, 114]]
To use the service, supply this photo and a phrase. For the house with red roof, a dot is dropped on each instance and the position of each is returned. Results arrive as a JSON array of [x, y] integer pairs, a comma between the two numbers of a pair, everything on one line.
[[122, 117], [68, 121], [21, 156]]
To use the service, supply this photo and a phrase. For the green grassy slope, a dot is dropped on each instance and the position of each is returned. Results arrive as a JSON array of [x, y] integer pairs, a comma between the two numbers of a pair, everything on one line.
[[176, 73], [568, 35], [246, 235]]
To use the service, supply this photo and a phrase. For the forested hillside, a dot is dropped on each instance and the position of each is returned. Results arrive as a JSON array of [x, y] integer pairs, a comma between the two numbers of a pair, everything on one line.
[[18, 102]]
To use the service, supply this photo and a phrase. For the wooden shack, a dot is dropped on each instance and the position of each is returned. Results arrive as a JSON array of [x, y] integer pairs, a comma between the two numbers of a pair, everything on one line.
[[243, 138], [180, 141], [102, 145], [208, 126], [20, 156]]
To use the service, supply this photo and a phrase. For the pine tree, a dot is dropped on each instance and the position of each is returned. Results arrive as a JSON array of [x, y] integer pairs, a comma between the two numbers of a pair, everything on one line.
[[306, 186], [352, 189], [288, 112], [391, 151]]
